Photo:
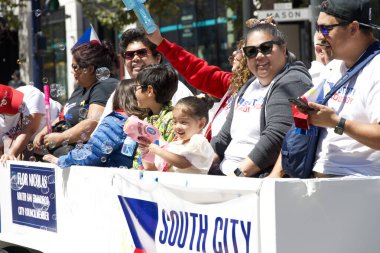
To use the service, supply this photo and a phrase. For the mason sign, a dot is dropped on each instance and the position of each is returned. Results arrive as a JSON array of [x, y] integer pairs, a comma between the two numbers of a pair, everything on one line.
[[286, 15]]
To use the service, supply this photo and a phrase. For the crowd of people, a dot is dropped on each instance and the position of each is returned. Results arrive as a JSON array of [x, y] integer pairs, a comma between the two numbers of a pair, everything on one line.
[[241, 135]]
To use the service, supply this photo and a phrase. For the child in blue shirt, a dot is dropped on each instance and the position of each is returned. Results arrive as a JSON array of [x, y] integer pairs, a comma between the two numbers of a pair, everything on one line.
[[104, 147]]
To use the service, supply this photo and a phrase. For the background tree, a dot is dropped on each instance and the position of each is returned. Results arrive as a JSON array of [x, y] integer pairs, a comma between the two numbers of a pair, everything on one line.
[[113, 14]]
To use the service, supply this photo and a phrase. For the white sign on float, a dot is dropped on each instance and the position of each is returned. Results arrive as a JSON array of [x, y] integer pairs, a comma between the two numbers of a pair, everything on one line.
[[286, 15], [124, 211]]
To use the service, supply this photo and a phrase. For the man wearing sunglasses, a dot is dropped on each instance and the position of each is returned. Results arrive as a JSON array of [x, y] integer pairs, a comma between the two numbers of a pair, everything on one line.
[[138, 51], [349, 143]]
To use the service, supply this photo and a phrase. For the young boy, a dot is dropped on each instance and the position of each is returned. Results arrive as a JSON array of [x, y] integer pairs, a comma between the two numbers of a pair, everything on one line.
[[156, 85]]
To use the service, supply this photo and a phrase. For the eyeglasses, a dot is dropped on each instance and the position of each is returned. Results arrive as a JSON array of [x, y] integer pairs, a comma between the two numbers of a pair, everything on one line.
[[325, 29], [323, 45], [129, 55], [138, 85], [265, 48], [75, 67]]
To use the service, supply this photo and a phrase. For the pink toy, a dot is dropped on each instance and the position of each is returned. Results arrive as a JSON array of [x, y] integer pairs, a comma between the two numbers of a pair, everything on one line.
[[47, 107], [137, 129]]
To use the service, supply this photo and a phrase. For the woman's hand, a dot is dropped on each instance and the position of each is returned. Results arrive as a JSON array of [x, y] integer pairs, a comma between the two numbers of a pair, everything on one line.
[[50, 158], [155, 37]]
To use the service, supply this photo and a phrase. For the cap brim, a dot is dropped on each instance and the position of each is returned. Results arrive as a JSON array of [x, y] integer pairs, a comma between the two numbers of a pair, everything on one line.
[[16, 102]]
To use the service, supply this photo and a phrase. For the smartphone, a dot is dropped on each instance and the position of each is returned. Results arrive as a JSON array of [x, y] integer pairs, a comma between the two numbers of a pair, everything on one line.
[[301, 104]]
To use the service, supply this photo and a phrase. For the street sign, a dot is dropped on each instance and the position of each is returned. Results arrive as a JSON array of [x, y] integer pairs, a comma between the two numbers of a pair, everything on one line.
[[286, 15]]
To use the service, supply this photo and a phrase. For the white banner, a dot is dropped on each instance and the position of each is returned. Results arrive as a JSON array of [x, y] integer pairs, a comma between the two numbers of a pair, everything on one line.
[[93, 209], [176, 218], [126, 210]]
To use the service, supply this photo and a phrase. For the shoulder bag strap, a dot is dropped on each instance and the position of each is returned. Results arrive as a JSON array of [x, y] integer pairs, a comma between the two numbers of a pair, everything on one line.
[[370, 53]]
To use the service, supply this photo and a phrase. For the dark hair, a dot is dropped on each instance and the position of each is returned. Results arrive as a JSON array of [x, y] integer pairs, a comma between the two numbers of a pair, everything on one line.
[[267, 25], [125, 99], [16, 73], [138, 35], [163, 79], [365, 29], [95, 54], [196, 106]]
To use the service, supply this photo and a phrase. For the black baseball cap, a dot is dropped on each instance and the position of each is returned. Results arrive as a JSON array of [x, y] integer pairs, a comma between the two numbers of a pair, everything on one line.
[[350, 10]]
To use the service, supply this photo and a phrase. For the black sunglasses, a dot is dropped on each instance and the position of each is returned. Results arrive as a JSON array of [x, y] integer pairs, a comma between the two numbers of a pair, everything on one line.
[[325, 29], [143, 52], [75, 67], [265, 48]]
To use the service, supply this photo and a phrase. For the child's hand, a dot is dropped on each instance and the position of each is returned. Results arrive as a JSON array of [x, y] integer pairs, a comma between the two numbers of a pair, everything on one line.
[[50, 158], [144, 145], [154, 148], [143, 141]]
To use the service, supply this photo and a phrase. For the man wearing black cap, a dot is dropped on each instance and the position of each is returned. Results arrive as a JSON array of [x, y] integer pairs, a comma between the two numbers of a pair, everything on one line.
[[350, 139]]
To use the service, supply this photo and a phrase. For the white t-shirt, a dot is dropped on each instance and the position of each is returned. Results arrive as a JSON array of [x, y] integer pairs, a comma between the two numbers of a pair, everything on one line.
[[358, 100], [217, 116], [197, 151], [315, 71], [33, 103], [245, 126], [55, 109], [181, 92]]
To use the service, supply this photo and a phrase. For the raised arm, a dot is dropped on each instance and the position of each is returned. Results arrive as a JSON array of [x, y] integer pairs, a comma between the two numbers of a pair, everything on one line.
[[209, 79]]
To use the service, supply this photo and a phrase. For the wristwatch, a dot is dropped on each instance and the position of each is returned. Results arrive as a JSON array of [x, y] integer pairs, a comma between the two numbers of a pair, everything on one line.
[[340, 127], [237, 172]]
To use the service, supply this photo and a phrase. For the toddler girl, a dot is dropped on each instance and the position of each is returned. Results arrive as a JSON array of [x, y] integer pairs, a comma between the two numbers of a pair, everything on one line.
[[190, 152]]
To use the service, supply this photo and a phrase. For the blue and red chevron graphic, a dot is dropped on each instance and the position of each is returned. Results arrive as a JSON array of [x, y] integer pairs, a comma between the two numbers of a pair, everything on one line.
[[142, 219]]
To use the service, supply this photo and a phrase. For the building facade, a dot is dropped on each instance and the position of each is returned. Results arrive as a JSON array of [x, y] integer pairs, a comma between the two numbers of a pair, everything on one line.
[[207, 28]]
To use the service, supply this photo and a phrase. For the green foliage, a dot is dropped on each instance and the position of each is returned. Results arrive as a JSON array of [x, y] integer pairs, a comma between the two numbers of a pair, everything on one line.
[[52, 5], [112, 13], [10, 20]]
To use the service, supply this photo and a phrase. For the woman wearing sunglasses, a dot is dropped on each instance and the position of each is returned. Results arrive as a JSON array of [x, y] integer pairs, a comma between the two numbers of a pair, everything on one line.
[[92, 65], [250, 140]]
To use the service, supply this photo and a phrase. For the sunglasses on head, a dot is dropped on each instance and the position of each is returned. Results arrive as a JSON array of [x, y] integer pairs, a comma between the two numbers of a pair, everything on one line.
[[265, 48], [143, 52], [325, 29]]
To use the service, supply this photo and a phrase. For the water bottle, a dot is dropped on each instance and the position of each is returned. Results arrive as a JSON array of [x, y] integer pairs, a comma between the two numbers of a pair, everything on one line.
[[129, 146]]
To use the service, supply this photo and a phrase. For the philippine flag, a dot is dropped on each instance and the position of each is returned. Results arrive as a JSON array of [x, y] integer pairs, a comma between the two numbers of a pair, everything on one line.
[[142, 219], [315, 94], [88, 36]]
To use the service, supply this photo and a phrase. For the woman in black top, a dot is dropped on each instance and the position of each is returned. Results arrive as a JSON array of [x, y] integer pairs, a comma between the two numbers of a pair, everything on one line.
[[86, 104]]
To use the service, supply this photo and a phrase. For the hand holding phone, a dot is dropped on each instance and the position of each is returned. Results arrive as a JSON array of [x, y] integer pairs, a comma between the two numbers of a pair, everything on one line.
[[301, 104]]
